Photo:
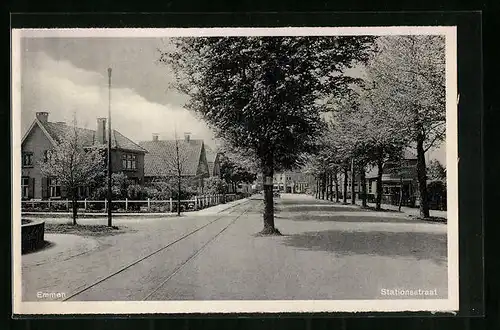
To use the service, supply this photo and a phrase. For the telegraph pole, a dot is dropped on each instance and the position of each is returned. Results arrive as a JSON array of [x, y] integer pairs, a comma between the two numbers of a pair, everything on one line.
[[110, 222]]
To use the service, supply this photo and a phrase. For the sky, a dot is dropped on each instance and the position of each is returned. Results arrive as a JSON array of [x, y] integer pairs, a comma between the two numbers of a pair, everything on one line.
[[67, 77]]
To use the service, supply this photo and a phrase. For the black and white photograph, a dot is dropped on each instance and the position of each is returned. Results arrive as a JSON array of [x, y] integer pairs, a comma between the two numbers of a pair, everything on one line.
[[234, 170]]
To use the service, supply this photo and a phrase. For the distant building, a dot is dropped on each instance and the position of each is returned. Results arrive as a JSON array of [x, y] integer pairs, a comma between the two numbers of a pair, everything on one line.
[[160, 161], [293, 182], [396, 176], [42, 136]]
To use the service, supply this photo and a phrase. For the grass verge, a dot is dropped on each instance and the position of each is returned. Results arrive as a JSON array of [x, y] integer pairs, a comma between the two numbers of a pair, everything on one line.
[[84, 230]]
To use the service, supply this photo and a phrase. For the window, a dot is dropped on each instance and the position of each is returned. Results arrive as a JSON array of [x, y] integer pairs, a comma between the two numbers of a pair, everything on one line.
[[129, 162], [27, 159], [47, 154], [25, 186], [54, 187], [83, 192]]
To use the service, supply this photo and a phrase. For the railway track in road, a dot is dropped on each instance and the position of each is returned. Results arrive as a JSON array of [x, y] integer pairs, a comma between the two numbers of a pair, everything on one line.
[[164, 248]]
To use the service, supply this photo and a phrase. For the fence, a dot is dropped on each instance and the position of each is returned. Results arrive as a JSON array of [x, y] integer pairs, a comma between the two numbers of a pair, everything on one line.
[[128, 205]]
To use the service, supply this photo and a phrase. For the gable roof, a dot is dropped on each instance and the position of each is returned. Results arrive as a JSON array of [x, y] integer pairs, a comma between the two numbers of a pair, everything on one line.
[[161, 157], [57, 131], [211, 156]]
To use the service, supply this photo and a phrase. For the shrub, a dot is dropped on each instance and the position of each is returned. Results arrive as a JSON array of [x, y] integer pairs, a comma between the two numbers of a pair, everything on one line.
[[215, 185]]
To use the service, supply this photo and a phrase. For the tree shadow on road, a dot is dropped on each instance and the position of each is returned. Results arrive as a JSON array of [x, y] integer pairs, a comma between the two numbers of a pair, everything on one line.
[[376, 218], [313, 202], [321, 208], [421, 246]]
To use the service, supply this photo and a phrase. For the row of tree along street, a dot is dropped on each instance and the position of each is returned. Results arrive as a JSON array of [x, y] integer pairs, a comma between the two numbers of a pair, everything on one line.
[[324, 103], [321, 104]]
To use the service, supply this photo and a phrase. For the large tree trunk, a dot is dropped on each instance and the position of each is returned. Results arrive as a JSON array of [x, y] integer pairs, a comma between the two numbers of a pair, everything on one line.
[[325, 180], [316, 193], [74, 204], [378, 200], [323, 186], [344, 192], [422, 177], [269, 229], [336, 179], [331, 186], [353, 183], [363, 186]]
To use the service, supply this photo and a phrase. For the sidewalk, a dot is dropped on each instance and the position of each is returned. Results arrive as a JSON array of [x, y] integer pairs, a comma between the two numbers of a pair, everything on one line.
[[65, 215]]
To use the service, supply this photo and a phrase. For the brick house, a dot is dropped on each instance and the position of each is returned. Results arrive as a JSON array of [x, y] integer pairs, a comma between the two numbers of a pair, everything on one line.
[[160, 160], [42, 136]]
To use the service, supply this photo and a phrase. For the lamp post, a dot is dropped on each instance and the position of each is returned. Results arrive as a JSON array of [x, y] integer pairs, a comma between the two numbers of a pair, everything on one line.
[[110, 222]]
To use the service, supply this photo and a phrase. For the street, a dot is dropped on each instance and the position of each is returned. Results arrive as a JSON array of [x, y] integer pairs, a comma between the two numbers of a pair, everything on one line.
[[327, 251]]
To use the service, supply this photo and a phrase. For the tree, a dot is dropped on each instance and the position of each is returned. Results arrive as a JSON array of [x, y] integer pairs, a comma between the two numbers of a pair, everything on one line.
[[408, 74], [436, 170], [235, 169], [263, 94], [215, 185], [74, 164], [119, 186]]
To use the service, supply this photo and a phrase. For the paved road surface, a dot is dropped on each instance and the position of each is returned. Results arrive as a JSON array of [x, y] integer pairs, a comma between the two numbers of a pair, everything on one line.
[[327, 251]]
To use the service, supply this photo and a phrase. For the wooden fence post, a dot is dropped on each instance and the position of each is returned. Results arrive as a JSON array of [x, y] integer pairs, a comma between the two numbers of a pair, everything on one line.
[[85, 204], [149, 204], [105, 205], [195, 202], [171, 204], [126, 204], [67, 204]]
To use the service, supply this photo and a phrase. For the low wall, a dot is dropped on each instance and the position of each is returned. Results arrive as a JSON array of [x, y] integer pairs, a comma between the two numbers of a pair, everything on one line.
[[32, 234]]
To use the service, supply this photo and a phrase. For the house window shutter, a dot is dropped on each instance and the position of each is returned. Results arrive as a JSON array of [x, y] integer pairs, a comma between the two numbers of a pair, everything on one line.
[[45, 191], [31, 188]]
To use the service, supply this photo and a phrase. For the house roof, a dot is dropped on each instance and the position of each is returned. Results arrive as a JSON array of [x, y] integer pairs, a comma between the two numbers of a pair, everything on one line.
[[161, 157], [57, 132], [211, 155]]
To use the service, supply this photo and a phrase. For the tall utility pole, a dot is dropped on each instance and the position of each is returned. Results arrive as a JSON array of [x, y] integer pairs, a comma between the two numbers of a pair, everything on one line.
[[110, 222]]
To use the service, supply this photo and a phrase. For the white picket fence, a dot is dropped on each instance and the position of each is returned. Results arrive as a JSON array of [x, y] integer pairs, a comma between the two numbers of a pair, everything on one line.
[[127, 205]]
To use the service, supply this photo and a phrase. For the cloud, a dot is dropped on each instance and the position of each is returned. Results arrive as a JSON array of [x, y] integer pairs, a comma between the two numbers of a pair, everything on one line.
[[65, 91]]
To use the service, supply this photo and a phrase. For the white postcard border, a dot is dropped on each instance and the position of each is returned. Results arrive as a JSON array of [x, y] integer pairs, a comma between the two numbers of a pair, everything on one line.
[[240, 306]]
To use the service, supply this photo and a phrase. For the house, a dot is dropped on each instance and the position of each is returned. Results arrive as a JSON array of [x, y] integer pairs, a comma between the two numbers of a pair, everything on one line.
[[395, 176], [43, 135], [165, 156], [293, 182]]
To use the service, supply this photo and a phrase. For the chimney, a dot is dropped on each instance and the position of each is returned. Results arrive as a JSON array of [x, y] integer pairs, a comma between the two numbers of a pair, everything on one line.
[[101, 131], [187, 136], [155, 136], [42, 116]]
